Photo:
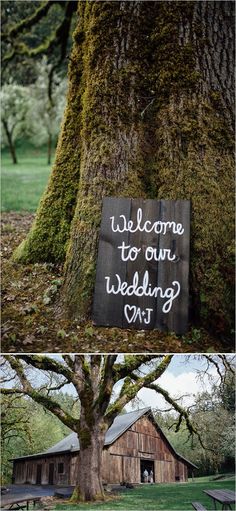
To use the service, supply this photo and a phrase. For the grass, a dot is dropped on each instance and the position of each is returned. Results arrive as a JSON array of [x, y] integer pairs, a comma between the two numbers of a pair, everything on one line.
[[24, 183], [165, 497]]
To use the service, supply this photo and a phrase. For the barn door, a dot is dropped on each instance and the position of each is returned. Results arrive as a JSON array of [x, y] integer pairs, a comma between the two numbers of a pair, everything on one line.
[[51, 473], [149, 466], [39, 474]]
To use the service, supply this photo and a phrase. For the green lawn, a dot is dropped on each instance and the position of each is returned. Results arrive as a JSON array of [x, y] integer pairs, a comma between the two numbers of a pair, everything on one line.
[[164, 497], [24, 183]]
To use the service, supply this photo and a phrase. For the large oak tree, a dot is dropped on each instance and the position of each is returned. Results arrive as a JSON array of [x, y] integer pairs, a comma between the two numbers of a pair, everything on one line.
[[104, 384], [149, 114]]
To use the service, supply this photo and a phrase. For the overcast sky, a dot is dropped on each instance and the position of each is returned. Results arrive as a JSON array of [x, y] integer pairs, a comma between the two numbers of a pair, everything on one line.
[[180, 378]]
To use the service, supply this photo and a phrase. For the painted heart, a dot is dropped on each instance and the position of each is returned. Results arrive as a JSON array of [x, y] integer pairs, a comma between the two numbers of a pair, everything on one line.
[[130, 311]]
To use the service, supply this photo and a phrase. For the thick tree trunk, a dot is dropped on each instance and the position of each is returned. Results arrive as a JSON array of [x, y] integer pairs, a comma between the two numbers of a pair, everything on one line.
[[90, 485], [115, 146], [194, 158], [91, 431], [10, 142], [155, 120]]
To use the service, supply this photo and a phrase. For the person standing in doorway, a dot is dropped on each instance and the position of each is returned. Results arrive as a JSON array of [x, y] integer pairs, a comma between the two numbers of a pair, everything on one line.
[[145, 476], [151, 477]]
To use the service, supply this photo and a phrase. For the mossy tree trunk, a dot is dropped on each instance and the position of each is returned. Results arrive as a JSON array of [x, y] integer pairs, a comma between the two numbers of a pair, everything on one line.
[[149, 114], [91, 428], [89, 486]]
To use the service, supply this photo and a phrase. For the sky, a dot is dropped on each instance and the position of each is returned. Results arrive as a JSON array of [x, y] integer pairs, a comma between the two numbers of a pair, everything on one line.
[[180, 379]]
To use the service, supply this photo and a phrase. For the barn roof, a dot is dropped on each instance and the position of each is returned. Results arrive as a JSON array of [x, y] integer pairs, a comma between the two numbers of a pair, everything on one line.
[[121, 423], [119, 426]]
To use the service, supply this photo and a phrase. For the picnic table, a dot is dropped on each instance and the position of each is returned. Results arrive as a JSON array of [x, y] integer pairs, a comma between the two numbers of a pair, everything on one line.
[[23, 503], [225, 497]]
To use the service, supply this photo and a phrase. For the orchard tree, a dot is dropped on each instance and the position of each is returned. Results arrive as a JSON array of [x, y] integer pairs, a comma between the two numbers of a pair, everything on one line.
[[149, 114], [47, 104], [104, 384], [28, 428], [14, 107]]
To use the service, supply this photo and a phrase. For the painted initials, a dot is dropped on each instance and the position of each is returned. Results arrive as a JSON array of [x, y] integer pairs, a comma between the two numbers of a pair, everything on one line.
[[132, 313]]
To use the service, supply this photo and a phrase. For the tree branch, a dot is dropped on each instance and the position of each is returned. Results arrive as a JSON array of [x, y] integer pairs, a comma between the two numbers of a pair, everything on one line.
[[130, 389], [31, 20], [48, 364], [28, 390], [130, 364]]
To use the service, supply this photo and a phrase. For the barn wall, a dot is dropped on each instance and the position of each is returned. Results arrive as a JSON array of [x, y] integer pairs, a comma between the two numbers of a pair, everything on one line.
[[25, 471], [141, 442], [121, 461]]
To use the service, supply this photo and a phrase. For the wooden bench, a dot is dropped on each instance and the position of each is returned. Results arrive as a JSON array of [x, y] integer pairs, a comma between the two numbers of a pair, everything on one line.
[[198, 506], [15, 504]]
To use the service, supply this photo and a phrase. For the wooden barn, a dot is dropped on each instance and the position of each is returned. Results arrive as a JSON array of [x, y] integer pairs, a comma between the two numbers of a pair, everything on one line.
[[133, 443]]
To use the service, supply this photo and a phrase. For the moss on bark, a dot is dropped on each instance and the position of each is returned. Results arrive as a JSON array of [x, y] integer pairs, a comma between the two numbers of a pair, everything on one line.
[[50, 231], [193, 164], [113, 137], [149, 115]]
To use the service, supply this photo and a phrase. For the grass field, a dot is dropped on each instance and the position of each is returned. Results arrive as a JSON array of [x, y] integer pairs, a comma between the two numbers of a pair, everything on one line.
[[24, 183], [165, 497]]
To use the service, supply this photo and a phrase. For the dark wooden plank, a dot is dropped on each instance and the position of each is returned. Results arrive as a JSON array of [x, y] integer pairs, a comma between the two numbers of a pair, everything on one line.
[[174, 275], [108, 308], [142, 309]]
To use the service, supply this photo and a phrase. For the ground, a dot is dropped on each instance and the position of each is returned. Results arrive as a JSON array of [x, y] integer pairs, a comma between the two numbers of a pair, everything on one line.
[[29, 312], [163, 497], [30, 292]]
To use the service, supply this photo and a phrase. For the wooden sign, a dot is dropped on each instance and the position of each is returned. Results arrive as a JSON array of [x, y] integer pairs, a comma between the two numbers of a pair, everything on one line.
[[143, 265]]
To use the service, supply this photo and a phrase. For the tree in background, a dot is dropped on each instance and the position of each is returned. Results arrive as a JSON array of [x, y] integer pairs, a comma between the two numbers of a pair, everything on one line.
[[46, 106], [47, 31], [104, 384], [213, 416], [14, 107], [27, 428], [15, 431], [20, 68], [149, 114]]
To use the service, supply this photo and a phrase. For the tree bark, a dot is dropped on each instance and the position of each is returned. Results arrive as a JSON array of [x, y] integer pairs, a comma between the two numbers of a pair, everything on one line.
[[194, 157], [115, 139], [10, 142], [149, 114], [90, 485]]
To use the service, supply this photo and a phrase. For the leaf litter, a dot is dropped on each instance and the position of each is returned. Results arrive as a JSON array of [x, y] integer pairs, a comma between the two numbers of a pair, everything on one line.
[[30, 322]]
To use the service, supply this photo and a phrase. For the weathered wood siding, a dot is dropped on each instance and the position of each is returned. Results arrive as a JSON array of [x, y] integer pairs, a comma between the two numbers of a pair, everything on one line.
[[26, 471], [121, 461]]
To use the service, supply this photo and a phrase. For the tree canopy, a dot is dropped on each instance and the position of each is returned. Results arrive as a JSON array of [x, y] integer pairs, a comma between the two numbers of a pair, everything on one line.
[[213, 417]]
